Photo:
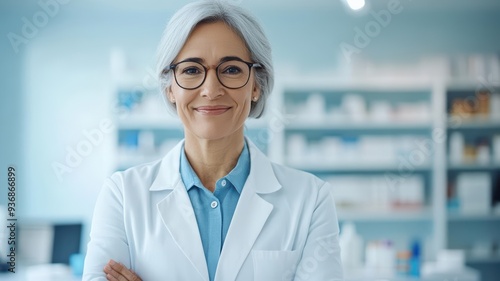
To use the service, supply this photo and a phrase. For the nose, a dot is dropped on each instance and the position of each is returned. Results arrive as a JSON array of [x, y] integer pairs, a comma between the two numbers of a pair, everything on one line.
[[211, 88]]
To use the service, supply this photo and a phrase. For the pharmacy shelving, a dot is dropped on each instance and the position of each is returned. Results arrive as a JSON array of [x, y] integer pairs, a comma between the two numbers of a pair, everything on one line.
[[356, 167], [405, 215], [490, 217], [472, 123], [473, 168], [335, 125], [377, 131]]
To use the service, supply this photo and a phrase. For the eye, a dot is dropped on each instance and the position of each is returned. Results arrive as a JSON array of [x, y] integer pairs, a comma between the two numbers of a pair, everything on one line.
[[231, 70], [191, 70]]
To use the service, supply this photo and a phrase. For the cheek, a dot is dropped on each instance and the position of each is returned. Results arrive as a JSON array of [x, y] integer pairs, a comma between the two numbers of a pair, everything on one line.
[[178, 96]]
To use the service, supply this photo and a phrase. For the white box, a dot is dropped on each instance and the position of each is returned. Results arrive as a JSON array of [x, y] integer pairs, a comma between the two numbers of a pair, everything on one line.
[[474, 192]]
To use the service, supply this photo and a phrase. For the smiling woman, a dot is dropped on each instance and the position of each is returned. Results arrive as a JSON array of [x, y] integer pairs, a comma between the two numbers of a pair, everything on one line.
[[208, 108], [215, 207]]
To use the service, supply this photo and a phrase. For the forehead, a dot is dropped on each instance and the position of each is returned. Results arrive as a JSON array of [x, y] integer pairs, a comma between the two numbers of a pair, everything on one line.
[[213, 41]]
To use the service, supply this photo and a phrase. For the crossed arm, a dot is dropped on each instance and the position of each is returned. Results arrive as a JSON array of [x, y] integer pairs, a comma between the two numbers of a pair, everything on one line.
[[118, 272]]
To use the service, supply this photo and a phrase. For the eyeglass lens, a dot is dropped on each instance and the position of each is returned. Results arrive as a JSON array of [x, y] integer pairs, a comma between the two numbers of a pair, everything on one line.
[[232, 74]]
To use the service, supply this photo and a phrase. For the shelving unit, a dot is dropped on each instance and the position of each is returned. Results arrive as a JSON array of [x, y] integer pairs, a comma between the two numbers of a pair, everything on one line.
[[322, 124], [473, 123], [424, 214]]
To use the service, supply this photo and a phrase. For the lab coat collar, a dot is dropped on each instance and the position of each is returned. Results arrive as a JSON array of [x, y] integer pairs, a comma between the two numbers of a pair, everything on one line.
[[250, 216], [261, 178], [168, 175]]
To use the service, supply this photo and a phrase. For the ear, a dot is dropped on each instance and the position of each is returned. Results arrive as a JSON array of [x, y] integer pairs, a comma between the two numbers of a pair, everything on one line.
[[170, 95], [255, 92]]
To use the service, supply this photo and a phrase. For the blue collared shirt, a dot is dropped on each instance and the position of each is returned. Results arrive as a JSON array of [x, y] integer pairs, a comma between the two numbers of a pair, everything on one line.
[[214, 211]]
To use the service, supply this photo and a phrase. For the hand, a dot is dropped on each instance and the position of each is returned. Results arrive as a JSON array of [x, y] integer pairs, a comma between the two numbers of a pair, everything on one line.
[[118, 272]]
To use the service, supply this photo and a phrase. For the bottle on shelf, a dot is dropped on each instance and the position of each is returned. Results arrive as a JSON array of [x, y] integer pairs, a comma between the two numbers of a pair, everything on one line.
[[351, 248], [415, 259]]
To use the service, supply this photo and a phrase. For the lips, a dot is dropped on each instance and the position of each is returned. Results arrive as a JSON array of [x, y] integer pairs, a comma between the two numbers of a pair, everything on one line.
[[212, 110]]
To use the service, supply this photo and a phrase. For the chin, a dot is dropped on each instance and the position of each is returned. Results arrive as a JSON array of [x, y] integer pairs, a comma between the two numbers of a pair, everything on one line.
[[214, 132]]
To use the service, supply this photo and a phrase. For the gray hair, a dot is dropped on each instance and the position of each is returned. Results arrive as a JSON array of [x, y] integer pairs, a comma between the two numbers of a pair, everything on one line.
[[245, 25]]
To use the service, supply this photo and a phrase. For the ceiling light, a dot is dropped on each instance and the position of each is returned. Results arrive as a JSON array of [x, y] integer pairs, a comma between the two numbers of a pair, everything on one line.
[[355, 4]]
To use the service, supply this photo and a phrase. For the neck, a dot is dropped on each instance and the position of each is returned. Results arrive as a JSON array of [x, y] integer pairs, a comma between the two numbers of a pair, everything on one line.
[[213, 159]]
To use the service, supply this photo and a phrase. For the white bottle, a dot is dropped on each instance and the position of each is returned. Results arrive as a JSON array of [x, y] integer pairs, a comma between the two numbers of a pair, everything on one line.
[[456, 148], [496, 149], [351, 246]]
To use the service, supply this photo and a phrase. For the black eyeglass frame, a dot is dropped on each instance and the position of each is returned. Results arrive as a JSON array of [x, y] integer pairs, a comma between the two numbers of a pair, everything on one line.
[[249, 64]]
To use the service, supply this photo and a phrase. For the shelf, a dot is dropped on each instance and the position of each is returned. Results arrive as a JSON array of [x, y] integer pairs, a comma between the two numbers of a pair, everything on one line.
[[483, 260], [457, 217], [474, 167], [329, 125], [357, 167], [390, 215], [369, 83], [470, 84], [457, 123]]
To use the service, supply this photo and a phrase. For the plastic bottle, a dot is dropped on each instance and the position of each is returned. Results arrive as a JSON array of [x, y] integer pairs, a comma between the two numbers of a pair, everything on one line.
[[415, 259], [351, 247]]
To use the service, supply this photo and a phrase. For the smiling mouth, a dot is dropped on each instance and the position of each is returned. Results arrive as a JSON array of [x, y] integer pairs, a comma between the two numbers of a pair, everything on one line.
[[212, 110]]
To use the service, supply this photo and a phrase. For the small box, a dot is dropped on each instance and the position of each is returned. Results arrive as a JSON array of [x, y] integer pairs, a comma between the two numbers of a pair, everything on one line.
[[474, 192]]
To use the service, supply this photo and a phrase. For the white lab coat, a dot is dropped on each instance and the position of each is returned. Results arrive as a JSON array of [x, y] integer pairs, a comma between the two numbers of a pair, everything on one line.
[[284, 226]]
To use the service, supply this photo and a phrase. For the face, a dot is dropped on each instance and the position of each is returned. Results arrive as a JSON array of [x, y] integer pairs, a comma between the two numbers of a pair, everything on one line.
[[213, 111]]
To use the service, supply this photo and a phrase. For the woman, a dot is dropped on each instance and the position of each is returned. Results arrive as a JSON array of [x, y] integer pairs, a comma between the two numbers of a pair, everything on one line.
[[214, 208]]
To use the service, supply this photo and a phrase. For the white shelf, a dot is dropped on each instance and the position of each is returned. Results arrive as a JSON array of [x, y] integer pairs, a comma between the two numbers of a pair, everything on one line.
[[372, 83], [470, 84], [457, 123], [457, 217], [357, 167], [395, 214], [483, 260], [475, 167], [329, 125]]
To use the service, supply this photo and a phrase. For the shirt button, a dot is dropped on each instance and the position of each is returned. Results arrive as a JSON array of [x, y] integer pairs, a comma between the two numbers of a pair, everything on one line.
[[223, 183], [214, 204]]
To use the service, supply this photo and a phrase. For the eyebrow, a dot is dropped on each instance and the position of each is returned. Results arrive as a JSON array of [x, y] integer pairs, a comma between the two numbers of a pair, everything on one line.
[[200, 60]]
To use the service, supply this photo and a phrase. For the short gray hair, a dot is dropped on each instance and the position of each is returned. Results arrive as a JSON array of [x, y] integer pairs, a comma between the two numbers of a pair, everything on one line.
[[243, 23]]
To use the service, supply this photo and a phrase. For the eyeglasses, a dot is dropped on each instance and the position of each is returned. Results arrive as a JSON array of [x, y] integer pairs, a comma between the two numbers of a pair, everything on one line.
[[232, 74]]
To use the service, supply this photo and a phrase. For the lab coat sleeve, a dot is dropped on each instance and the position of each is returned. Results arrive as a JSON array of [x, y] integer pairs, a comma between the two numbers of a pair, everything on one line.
[[320, 259], [108, 238]]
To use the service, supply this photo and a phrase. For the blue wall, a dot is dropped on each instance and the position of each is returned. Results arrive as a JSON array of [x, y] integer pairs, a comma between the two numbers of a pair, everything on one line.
[[11, 104]]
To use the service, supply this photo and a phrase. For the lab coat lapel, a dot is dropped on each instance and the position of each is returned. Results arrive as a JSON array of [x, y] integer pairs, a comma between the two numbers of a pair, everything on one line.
[[179, 218], [177, 212], [249, 217]]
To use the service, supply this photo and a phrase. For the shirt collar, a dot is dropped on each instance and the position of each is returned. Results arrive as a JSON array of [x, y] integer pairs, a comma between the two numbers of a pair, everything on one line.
[[237, 176], [188, 176]]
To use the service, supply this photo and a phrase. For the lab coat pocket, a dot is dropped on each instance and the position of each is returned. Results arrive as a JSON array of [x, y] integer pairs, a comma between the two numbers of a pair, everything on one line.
[[274, 265]]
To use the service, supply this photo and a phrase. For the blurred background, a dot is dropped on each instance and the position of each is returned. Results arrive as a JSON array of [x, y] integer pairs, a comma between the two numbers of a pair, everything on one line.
[[396, 103]]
